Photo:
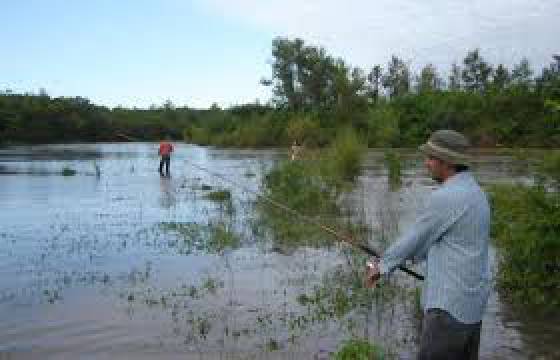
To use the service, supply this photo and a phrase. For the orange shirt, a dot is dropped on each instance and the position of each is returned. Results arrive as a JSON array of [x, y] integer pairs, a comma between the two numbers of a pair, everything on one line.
[[165, 148]]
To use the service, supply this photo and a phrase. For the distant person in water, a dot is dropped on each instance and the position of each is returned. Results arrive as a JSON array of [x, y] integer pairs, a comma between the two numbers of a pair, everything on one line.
[[295, 151], [165, 150]]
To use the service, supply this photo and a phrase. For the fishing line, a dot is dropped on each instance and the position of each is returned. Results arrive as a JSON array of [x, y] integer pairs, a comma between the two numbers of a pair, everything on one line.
[[305, 219]]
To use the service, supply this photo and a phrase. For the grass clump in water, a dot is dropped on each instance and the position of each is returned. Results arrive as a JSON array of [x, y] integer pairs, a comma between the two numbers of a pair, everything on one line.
[[343, 158], [394, 166], [219, 196], [68, 171], [211, 238], [221, 237], [312, 188], [205, 187], [298, 186], [359, 350]]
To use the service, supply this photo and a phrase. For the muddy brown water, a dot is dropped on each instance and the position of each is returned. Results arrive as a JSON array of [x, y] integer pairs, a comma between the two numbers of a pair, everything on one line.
[[116, 262]]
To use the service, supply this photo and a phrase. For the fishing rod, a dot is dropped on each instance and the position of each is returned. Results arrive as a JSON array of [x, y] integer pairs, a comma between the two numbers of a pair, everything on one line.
[[348, 239], [306, 219]]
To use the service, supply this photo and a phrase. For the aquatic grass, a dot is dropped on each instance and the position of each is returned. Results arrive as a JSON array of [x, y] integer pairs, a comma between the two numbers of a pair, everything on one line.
[[394, 165], [272, 345], [342, 159], [68, 171], [211, 238], [341, 292], [358, 349], [221, 237], [525, 227], [313, 188], [211, 285], [548, 170], [219, 196], [299, 186]]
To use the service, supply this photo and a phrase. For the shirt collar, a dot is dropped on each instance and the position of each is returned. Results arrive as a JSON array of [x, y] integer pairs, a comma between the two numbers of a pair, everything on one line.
[[458, 177]]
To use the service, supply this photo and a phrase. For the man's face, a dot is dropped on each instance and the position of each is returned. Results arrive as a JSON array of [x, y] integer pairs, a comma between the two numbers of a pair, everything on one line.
[[436, 167]]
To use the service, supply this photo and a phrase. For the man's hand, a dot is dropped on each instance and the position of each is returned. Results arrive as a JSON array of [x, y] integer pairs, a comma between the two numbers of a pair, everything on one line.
[[372, 273]]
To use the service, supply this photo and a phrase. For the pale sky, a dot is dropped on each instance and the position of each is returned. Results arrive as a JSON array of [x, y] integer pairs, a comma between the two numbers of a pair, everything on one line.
[[195, 53]]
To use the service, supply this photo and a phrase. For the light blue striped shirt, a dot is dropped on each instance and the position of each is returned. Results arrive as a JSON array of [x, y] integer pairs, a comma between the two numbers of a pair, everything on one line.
[[452, 236]]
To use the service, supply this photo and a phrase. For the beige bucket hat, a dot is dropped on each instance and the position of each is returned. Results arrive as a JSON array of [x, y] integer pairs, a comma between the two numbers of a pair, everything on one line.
[[448, 145]]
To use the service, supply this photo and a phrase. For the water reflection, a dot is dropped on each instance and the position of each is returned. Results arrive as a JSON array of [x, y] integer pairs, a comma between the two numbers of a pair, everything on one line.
[[168, 196]]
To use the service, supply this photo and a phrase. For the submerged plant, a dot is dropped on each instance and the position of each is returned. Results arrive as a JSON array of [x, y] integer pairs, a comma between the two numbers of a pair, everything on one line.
[[393, 163], [67, 171], [358, 349], [219, 195], [211, 238]]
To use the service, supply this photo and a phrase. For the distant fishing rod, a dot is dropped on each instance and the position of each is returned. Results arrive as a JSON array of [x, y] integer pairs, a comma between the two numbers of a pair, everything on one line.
[[308, 220]]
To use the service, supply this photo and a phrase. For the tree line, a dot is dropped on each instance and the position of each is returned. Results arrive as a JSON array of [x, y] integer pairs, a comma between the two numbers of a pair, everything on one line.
[[315, 95]]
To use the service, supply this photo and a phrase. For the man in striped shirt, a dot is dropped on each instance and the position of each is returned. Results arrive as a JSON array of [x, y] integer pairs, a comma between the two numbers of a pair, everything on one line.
[[451, 235]]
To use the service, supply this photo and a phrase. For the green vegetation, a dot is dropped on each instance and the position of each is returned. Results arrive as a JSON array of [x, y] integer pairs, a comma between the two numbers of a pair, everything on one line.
[[315, 97], [67, 171], [359, 350], [343, 158], [298, 186], [526, 225], [219, 196], [211, 238], [342, 292], [312, 188], [393, 163]]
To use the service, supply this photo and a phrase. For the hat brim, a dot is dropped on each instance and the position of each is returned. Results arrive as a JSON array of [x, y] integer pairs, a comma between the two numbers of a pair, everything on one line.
[[447, 155]]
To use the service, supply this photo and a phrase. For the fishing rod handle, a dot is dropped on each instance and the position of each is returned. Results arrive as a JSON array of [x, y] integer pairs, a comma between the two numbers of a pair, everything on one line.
[[372, 252]]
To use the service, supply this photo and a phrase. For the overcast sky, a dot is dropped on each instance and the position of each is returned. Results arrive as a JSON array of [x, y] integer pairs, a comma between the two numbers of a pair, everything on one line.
[[195, 53]]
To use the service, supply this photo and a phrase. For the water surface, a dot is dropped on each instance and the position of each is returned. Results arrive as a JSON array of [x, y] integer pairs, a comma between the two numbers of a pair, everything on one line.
[[118, 262]]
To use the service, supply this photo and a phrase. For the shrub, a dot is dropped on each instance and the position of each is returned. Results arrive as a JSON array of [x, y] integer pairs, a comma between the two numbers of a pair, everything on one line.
[[526, 224], [343, 157]]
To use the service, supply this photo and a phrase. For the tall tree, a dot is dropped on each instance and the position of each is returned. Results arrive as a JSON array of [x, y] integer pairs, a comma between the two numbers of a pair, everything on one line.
[[374, 80], [522, 75], [501, 78], [284, 71], [548, 83], [429, 80], [397, 78], [455, 78], [476, 72]]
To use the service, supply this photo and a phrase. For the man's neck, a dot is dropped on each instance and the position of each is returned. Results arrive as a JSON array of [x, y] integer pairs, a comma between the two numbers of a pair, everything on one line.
[[448, 174]]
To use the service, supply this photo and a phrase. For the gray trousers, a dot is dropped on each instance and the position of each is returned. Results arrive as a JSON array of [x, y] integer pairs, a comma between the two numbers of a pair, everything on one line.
[[443, 337]]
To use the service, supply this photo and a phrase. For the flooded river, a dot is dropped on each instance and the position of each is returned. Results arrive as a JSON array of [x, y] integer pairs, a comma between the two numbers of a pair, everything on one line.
[[116, 262]]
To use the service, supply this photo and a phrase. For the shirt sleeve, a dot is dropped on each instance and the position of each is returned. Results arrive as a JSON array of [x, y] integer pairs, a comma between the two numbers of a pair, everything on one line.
[[440, 213]]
